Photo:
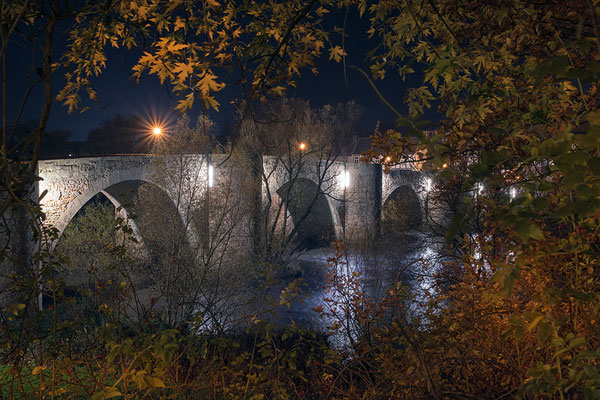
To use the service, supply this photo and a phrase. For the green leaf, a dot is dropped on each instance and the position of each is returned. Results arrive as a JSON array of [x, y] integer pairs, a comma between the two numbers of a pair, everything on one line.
[[545, 186], [107, 393], [594, 165], [153, 382], [544, 331], [585, 141], [586, 191], [479, 171], [540, 204], [516, 320], [527, 229], [594, 118], [577, 342], [535, 322], [573, 177], [581, 207], [591, 371], [292, 364]]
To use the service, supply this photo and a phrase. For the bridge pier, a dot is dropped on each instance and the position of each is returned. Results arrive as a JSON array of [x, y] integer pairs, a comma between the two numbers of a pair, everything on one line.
[[362, 219]]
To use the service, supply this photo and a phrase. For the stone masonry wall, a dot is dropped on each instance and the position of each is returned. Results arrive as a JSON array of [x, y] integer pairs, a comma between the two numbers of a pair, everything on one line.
[[356, 210]]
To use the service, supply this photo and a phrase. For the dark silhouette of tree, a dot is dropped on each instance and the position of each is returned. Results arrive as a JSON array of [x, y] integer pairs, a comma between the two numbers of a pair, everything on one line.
[[58, 143], [122, 134]]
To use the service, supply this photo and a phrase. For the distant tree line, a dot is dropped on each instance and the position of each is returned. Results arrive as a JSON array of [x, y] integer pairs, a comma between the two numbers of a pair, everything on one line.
[[121, 134]]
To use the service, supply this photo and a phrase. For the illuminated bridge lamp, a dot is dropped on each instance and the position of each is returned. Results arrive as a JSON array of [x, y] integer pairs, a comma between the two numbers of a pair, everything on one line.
[[346, 180], [211, 176], [302, 146], [388, 159]]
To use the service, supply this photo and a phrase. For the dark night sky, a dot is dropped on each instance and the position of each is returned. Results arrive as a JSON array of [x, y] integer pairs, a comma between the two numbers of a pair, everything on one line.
[[118, 93]]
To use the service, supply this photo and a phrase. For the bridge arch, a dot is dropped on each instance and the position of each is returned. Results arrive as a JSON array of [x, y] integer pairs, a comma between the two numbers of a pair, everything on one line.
[[402, 210], [123, 195], [404, 200], [69, 184], [312, 211]]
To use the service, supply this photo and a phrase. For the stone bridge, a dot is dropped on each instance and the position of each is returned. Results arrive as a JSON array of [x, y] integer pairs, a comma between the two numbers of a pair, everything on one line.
[[351, 196]]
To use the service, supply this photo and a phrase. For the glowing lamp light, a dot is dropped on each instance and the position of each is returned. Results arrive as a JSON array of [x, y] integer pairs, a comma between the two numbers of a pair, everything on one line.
[[388, 159], [445, 165], [302, 146], [157, 130], [211, 176], [428, 184], [346, 180]]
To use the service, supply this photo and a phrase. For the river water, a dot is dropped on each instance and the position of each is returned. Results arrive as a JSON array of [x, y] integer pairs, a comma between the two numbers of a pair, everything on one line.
[[411, 258]]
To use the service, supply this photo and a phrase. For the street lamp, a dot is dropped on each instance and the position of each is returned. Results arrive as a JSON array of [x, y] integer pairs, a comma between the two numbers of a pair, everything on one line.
[[157, 130], [302, 146]]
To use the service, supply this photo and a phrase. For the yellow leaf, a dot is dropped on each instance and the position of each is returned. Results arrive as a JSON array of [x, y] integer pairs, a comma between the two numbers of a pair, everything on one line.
[[336, 53], [208, 84], [175, 47], [186, 104], [278, 90], [183, 70], [37, 370], [318, 44], [179, 24], [211, 102], [154, 382], [322, 11]]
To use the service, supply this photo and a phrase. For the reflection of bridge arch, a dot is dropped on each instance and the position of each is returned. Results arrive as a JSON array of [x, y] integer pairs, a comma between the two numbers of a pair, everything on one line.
[[311, 211]]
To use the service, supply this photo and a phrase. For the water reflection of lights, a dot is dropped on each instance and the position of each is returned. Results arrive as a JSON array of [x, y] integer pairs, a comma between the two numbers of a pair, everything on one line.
[[426, 280], [358, 274], [479, 186], [428, 253]]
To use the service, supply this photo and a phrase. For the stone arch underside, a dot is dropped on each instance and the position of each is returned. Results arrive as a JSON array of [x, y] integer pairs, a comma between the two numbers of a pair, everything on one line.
[[117, 188], [402, 210], [310, 210]]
